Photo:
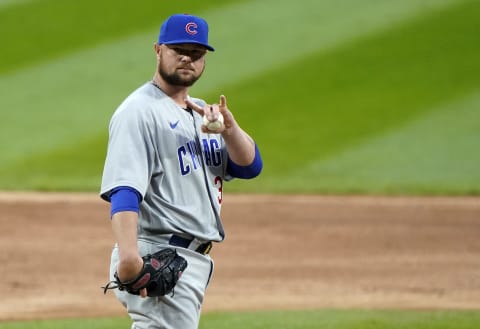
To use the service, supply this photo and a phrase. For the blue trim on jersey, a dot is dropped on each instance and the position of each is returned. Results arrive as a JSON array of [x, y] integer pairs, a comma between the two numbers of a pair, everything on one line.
[[124, 198], [246, 172]]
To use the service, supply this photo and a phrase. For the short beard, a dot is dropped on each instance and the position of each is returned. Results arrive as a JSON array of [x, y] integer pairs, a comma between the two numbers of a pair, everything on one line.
[[175, 79]]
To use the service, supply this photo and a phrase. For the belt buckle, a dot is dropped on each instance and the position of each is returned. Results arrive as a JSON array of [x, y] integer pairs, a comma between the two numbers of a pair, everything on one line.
[[192, 244]]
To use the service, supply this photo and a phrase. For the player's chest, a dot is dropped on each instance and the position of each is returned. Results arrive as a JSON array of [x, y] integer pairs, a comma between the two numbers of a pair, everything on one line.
[[180, 140]]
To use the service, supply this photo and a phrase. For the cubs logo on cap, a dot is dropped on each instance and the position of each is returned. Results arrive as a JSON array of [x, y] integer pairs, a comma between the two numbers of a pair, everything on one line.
[[191, 28], [183, 28]]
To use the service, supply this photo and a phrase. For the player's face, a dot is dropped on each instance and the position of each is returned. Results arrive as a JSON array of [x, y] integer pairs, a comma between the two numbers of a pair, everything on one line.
[[182, 64]]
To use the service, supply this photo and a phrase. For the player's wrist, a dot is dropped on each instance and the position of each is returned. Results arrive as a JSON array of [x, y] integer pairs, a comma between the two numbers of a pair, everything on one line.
[[231, 130], [128, 268]]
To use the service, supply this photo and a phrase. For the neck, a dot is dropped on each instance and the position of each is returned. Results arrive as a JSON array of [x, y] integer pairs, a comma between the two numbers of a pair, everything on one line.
[[177, 93]]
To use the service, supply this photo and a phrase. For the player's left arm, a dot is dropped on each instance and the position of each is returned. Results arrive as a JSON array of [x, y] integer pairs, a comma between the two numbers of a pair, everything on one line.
[[240, 146], [244, 160]]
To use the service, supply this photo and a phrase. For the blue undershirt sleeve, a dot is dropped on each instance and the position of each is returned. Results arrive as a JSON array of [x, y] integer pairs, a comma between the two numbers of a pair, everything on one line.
[[124, 198], [249, 171]]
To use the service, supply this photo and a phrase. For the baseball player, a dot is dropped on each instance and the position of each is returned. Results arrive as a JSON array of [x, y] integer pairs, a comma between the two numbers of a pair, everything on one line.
[[164, 173]]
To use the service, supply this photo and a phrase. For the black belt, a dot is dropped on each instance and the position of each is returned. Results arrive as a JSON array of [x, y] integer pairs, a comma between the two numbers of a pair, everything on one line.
[[178, 241]]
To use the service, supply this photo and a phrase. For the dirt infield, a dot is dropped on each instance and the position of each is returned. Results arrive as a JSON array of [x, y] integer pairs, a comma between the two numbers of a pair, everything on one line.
[[281, 252]]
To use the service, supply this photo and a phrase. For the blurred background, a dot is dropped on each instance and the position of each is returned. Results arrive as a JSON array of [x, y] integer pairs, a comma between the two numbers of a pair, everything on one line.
[[342, 96]]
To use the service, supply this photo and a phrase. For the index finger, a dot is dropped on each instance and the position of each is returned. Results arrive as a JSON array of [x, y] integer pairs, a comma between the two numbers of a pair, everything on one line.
[[194, 107], [223, 101]]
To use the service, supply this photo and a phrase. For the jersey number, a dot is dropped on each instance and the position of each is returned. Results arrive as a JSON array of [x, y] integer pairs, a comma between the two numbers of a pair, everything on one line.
[[218, 182]]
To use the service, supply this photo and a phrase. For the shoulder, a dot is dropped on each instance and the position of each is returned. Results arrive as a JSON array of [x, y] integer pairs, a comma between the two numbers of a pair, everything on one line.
[[142, 97], [140, 103]]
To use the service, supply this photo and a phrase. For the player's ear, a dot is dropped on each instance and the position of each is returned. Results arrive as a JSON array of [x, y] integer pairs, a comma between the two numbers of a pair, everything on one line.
[[157, 49]]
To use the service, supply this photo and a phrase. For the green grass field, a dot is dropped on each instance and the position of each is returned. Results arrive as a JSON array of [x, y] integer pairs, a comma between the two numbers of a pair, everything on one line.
[[321, 319], [344, 96]]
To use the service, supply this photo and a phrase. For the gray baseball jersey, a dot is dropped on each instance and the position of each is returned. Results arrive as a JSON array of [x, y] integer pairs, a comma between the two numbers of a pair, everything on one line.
[[158, 148]]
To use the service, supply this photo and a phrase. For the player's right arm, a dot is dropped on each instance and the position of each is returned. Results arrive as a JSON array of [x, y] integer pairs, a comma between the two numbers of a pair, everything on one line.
[[124, 225], [125, 206]]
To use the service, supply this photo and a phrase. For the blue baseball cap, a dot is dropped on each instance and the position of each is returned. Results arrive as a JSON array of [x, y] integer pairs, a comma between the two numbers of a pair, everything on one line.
[[183, 28]]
